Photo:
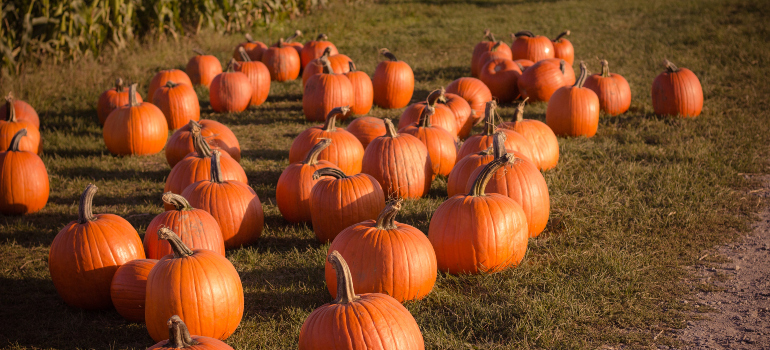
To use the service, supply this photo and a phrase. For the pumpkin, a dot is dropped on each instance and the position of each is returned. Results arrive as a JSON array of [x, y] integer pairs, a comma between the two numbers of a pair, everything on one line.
[[179, 338], [129, 288], [338, 201], [218, 136], [24, 186], [479, 142], [481, 49], [443, 117], [109, 101], [520, 180], [253, 48], [163, 77], [10, 125], [476, 93], [136, 128], [677, 91], [292, 193], [200, 283], [316, 67], [202, 68], [195, 227], [562, 48], [282, 61], [574, 110], [393, 82], [479, 232], [324, 92], [493, 54], [386, 257], [440, 143], [259, 78], [365, 321], [230, 91], [366, 129], [24, 112], [501, 76], [458, 177], [612, 89], [86, 253], [233, 204], [363, 92], [541, 80], [462, 112], [529, 46], [545, 145], [400, 163], [345, 151], [315, 48], [178, 102]]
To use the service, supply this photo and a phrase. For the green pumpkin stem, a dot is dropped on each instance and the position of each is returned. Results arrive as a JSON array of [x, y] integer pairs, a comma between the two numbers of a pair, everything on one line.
[[180, 203], [345, 292], [386, 219], [583, 75], [498, 144], [244, 55], [333, 172], [389, 55], [297, 34], [132, 101], [216, 167], [480, 183], [390, 129], [9, 109], [605, 68], [85, 207], [563, 34], [177, 246], [312, 155], [331, 119], [178, 334], [327, 65], [321, 37], [670, 66], [518, 115], [427, 112], [436, 96], [199, 142], [489, 118], [199, 52], [524, 33]]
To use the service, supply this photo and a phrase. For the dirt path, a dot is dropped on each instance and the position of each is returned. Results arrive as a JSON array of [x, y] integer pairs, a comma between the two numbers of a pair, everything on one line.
[[741, 299]]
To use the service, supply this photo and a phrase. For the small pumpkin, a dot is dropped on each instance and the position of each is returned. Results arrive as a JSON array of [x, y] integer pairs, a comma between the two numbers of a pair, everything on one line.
[[326, 91], [23, 179], [363, 92], [163, 77], [129, 288], [253, 48], [282, 61], [482, 48], [545, 145], [259, 77], [24, 112], [136, 128], [366, 129], [574, 110], [562, 48], [341, 64], [494, 53], [529, 46], [479, 142], [393, 82], [11, 125], [541, 80], [440, 143], [179, 338], [218, 136], [462, 112], [195, 227], [179, 104], [292, 193], [315, 48], [501, 76], [345, 151], [677, 91], [442, 116], [461, 172], [202, 68], [612, 89], [230, 91], [476, 93], [111, 100]]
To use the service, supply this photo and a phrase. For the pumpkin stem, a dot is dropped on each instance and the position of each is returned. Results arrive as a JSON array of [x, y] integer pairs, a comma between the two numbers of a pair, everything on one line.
[[16, 140], [605, 68], [249, 38], [331, 118], [199, 143], [231, 65], [171, 84], [321, 37], [583, 75], [488, 35], [670, 66], [518, 115], [563, 34], [178, 334], [335, 173], [180, 203], [199, 52], [563, 67], [119, 85], [498, 144], [524, 33], [177, 246], [297, 34], [352, 66], [521, 68], [132, 102], [216, 167], [193, 124], [345, 292], [389, 55], [280, 43], [312, 155], [327, 65], [495, 46], [436, 96], [11, 116], [390, 129], [85, 208], [489, 118], [427, 112], [480, 183], [244, 55], [386, 219]]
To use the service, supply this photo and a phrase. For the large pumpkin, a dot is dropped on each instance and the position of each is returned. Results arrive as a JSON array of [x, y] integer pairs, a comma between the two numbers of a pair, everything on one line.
[[218, 136], [359, 321], [442, 116], [179, 104], [128, 288], [462, 112], [562, 48], [199, 283], [345, 151], [479, 142], [259, 78], [282, 61], [366, 129], [393, 82], [363, 92], [501, 76], [574, 110], [230, 91], [387, 257], [24, 112], [477, 94], [529, 46], [252, 47], [612, 89], [111, 100], [326, 91], [292, 193], [677, 91], [458, 177], [202, 68], [11, 125], [541, 80], [163, 77], [315, 48], [136, 128], [545, 145], [179, 338], [441, 144], [86, 253], [486, 46], [24, 186]]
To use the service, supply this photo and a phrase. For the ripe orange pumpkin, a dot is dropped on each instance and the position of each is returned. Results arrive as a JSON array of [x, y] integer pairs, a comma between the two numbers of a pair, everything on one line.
[[476, 93], [612, 89], [483, 48], [230, 91], [136, 128], [545, 145], [442, 116], [574, 110], [259, 77], [195, 227], [315, 48], [387, 257], [462, 112], [528, 46], [393, 82], [11, 125], [202, 68], [200, 283], [218, 136], [338, 201], [111, 100], [179, 104], [86, 253], [358, 320], [292, 193], [24, 186], [24, 112], [479, 142], [345, 151], [458, 177], [282, 61], [541, 80], [677, 91], [179, 338], [366, 129], [494, 53], [253, 48], [233, 204], [340, 64], [501, 76], [363, 92], [163, 77], [562, 48], [440, 143], [129, 288], [326, 91]]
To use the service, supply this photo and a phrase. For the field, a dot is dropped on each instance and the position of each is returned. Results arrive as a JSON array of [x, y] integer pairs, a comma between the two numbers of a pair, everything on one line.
[[629, 207]]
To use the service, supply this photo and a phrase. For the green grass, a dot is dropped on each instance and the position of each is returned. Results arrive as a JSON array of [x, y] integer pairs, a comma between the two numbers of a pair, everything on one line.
[[630, 206]]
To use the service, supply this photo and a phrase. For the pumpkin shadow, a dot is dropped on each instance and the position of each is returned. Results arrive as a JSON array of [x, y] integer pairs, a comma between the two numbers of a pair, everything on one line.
[[156, 175], [81, 122], [290, 97], [266, 154], [441, 73], [277, 289], [262, 115]]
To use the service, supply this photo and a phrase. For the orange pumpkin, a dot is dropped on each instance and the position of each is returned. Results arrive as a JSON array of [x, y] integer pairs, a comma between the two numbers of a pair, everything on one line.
[[179, 338], [163, 77], [612, 89], [129, 288], [202, 68], [136, 128], [541, 80], [11, 125], [292, 193], [282, 61], [440, 143], [179, 104], [86, 253], [366, 129], [477, 59], [315, 48], [218, 136], [111, 100], [325, 92], [199, 283], [253, 48], [501, 76], [574, 110], [345, 151], [462, 112], [24, 112], [479, 142], [677, 91], [195, 227], [259, 77], [562, 48], [341, 64], [458, 177], [363, 92], [230, 91], [476, 93], [494, 53], [545, 145], [528, 46], [443, 117], [24, 186], [393, 82]]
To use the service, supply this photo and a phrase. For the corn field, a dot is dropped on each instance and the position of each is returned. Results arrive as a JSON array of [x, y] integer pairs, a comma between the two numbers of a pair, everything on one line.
[[31, 30]]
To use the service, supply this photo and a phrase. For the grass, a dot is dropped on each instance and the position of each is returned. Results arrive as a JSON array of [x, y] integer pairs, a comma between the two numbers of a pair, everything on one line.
[[630, 206]]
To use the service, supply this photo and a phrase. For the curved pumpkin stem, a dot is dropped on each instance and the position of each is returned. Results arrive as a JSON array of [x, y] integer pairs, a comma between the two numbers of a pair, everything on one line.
[[297, 34], [605, 68], [386, 219], [326, 64], [345, 292], [331, 118], [178, 334], [335, 173], [244, 55], [518, 115], [670, 66], [583, 75], [199, 52], [132, 101], [321, 37], [9, 109], [180, 203], [119, 85], [489, 118], [216, 167], [231, 65], [177, 246], [480, 183], [390, 129], [85, 208], [170, 84], [280, 43], [524, 33], [249, 38], [312, 155], [563, 34], [16, 140], [488, 35], [199, 143], [351, 66], [436, 96], [495, 46], [389, 55], [425, 115], [498, 144]]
